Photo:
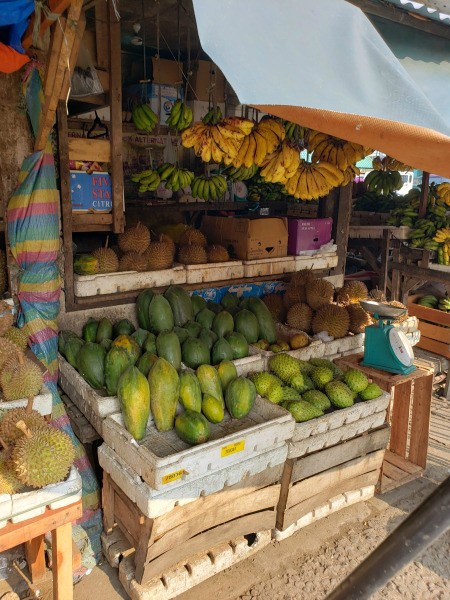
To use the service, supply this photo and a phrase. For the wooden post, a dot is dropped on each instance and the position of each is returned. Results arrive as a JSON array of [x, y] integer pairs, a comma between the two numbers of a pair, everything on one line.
[[35, 555], [343, 226], [62, 556], [424, 194], [101, 34], [385, 243]]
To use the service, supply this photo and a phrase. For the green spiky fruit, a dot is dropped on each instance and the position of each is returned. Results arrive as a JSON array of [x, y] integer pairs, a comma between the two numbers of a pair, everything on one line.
[[17, 336], [9, 484], [264, 381], [7, 349], [298, 383], [371, 392], [284, 366], [20, 378], [8, 430], [308, 382], [329, 364], [321, 376], [275, 394], [303, 411], [290, 394], [356, 380], [317, 399], [305, 366], [340, 395]]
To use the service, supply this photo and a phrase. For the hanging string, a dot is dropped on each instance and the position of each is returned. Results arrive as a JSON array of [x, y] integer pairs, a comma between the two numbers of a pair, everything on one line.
[[158, 67], [183, 74]]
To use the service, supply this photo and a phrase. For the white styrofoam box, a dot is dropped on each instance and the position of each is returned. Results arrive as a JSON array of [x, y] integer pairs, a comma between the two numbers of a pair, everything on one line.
[[321, 260], [254, 363], [32, 503], [438, 267], [163, 460], [42, 402], [376, 231], [111, 283], [337, 426], [224, 271], [154, 503], [268, 266]]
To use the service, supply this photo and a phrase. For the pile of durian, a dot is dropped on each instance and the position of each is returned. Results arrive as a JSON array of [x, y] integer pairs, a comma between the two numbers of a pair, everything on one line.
[[313, 305]]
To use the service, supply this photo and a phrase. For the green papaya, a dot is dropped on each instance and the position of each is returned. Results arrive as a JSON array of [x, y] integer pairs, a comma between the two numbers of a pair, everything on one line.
[[142, 304], [146, 362], [205, 317], [133, 391], [221, 351], [123, 327], [227, 373], [192, 427], [91, 364], [233, 310], [198, 303], [160, 315], [240, 397], [140, 335], [229, 300], [180, 303], [190, 392], [244, 303], [90, 330], [182, 334], [195, 353], [266, 323], [245, 322], [63, 336], [85, 264], [193, 329], [208, 337], [164, 392], [72, 348], [131, 346], [238, 343], [214, 306], [223, 323], [104, 330], [168, 347], [213, 409], [106, 344], [150, 343], [117, 361], [209, 381]]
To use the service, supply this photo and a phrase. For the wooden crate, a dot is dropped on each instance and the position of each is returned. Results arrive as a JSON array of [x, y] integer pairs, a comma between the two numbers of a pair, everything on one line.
[[376, 232], [311, 481], [434, 326]]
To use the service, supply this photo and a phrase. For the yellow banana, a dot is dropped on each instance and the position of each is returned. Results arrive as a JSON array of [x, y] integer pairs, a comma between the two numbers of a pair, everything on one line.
[[261, 147], [270, 136], [274, 126], [249, 159]]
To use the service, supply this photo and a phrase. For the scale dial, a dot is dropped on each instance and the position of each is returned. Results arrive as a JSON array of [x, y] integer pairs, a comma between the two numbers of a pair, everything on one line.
[[401, 347]]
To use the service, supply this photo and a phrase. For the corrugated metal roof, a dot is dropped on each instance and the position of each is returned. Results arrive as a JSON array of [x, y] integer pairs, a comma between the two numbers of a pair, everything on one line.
[[436, 10]]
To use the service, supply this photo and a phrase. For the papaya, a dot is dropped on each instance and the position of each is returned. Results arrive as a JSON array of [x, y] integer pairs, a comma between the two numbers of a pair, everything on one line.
[[205, 317], [117, 361], [106, 344], [164, 392], [142, 303], [192, 427], [209, 381], [85, 264], [182, 334], [160, 315], [223, 323], [195, 353], [123, 327], [130, 345], [208, 337], [227, 373], [104, 330], [240, 397], [266, 323], [73, 346], [245, 322], [63, 336], [140, 335], [244, 303], [233, 310], [190, 392], [150, 343], [180, 303], [146, 362], [238, 343], [229, 300], [198, 303], [90, 364], [168, 347], [193, 329], [90, 330], [221, 351], [133, 391], [213, 409], [214, 306]]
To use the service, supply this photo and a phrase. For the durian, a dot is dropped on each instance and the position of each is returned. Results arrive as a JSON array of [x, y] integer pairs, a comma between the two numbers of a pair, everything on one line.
[[134, 239], [303, 277], [293, 295], [42, 456], [352, 292], [166, 238], [299, 317], [8, 430], [20, 378], [359, 318], [333, 319], [133, 261], [193, 236], [108, 261], [18, 336], [6, 317], [377, 295], [319, 293], [217, 254], [9, 483], [159, 255], [397, 304], [3, 273], [274, 303], [7, 349], [192, 254]]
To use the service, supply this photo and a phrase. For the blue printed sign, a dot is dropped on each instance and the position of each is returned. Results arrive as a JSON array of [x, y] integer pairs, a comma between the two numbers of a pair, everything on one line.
[[90, 192]]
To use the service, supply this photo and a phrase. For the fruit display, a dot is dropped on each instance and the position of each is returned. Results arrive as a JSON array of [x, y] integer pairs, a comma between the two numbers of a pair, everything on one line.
[[431, 301], [442, 239], [208, 188], [174, 177], [144, 118], [260, 145], [313, 180], [148, 180], [385, 177], [335, 151], [180, 116]]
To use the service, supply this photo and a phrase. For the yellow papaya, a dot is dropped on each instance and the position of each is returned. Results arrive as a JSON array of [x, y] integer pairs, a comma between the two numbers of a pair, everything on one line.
[[190, 392], [227, 373], [209, 381], [213, 409], [164, 392], [133, 392]]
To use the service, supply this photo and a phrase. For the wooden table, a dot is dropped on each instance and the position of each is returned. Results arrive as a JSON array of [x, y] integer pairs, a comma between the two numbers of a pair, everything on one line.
[[410, 412], [31, 533]]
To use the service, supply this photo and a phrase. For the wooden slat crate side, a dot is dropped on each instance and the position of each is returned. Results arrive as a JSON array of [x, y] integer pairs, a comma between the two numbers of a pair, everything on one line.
[[432, 315], [434, 332], [434, 346]]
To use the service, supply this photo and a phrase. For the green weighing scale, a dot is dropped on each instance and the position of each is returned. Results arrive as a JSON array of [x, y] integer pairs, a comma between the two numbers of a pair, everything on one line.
[[386, 347]]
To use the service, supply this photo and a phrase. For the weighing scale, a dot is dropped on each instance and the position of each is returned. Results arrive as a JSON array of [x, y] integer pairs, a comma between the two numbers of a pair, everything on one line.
[[386, 347]]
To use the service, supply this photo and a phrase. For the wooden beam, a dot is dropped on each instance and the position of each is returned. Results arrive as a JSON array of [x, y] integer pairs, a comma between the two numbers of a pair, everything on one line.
[[343, 225], [55, 6], [101, 35], [89, 149], [73, 56], [424, 189]]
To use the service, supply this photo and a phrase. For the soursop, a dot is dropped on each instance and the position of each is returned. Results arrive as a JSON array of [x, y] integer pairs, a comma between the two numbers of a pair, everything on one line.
[[275, 394], [340, 395], [321, 376], [329, 364], [317, 399], [370, 392], [303, 411], [356, 380], [290, 394], [284, 366], [305, 366], [298, 383], [308, 382], [264, 381]]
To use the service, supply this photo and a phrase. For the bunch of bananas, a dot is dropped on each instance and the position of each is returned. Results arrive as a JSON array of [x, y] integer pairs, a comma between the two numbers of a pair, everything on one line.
[[281, 165], [389, 164], [148, 180], [180, 116], [429, 301], [209, 188], [335, 151], [349, 174], [144, 118], [260, 190], [213, 116], [175, 178], [444, 302], [296, 133], [373, 202], [312, 181], [383, 182], [442, 235], [242, 173], [443, 191], [263, 140]]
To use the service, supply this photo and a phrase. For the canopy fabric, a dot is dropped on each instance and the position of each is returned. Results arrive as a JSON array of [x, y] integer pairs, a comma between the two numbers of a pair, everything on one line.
[[325, 66]]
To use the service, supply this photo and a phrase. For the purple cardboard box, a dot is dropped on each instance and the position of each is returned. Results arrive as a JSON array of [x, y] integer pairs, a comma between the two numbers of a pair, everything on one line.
[[308, 234]]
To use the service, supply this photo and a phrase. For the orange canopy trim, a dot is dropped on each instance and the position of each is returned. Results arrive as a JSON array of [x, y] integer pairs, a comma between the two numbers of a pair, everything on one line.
[[11, 60]]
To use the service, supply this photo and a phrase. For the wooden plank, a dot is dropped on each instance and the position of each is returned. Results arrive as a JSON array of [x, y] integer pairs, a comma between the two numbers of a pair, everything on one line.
[[62, 559], [35, 555], [434, 346], [343, 225], [400, 418], [285, 485], [53, 57], [393, 472], [101, 35], [73, 56], [424, 188], [108, 503], [420, 273], [432, 315], [401, 463], [384, 282], [54, 6], [435, 332], [127, 516], [89, 149], [90, 219], [420, 421]]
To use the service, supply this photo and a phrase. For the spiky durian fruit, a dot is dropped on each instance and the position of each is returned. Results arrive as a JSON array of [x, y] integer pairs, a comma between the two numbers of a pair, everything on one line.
[[333, 319], [359, 318], [399, 305], [217, 254], [20, 378], [42, 456], [274, 303], [3, 272], [108, 261], [133, 261], [303, 277], [377, 295], [192, 254], [134, 239], [8, 430], [168, 240], [6, 317], [18, 336], [159, 255], [9, 483], [299, 317], [7, 349], [193, 236], [352, 292], [294, 294], [319, 293]]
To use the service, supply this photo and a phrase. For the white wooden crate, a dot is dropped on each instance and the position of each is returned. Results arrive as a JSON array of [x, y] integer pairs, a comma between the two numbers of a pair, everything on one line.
[[154, 503], [214, 271], [43, 402], [337, 426], [112, 283], [31, 503], [376, 231], [269, 266], [163, 460], [321, 260]]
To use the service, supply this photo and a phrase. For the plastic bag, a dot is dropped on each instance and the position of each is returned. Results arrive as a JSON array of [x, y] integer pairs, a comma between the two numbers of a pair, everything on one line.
[[85, 81]]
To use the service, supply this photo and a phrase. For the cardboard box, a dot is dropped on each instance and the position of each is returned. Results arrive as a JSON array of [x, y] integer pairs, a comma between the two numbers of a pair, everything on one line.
[[206, 77], [308, 234], [90, 192], [248, 239]]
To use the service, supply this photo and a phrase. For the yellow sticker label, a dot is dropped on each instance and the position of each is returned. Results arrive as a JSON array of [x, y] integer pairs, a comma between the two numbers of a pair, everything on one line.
[[173, 476], [232, 448]]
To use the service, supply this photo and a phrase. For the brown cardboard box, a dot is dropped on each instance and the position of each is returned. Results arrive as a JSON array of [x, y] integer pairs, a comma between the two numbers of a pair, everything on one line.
[[168, 72], [204, 74], [248, 239]]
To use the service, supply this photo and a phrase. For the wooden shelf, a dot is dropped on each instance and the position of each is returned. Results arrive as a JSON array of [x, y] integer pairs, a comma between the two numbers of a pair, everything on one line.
[[203, 206]]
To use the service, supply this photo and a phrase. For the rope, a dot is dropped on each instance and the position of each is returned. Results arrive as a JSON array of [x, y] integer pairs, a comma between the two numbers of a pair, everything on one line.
[[40, 7]]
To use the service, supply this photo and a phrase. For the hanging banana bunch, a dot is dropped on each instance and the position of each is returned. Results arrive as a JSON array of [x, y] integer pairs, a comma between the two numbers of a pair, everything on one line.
[[312, 181], [443, 192], [263, 140], [175, 178], [242, 173], [209, 188], [180, 116], [334, 150], [144, 118], [281, 165], [297, 133]]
